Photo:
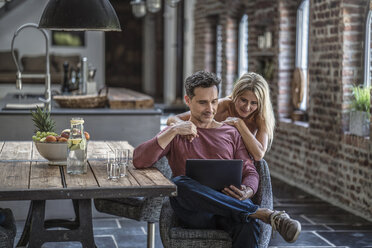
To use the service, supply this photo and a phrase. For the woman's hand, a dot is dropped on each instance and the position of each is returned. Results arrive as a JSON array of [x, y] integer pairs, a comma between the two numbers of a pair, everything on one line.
[[233, 121], [241, 194]]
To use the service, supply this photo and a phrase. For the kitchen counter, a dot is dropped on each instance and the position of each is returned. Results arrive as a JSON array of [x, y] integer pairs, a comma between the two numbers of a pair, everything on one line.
[[133, 125]]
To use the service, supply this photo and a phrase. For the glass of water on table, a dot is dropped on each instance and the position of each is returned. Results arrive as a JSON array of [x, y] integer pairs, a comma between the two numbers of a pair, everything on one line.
[[122, 158], [113, 168]]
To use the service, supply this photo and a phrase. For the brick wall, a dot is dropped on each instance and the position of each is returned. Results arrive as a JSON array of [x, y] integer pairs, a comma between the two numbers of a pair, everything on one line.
[[318, 156]]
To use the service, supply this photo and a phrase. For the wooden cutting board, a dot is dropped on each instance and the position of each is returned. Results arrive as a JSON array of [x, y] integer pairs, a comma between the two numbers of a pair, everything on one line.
[[122, 98]]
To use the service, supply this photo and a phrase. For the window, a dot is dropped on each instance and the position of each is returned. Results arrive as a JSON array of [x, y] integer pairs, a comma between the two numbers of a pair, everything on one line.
[[302, 38], [243, 46], [367, 51]]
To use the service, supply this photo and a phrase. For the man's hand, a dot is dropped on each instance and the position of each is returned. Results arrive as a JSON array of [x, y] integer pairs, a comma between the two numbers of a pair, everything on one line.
[[186, 129], [241, 194]]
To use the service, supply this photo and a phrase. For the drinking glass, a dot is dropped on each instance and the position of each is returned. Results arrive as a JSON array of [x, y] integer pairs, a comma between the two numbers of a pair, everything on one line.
[[113, 168], [122, 156], [130, 158]]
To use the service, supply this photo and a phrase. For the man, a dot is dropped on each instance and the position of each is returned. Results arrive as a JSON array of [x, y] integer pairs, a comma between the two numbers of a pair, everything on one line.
[[198, 206]]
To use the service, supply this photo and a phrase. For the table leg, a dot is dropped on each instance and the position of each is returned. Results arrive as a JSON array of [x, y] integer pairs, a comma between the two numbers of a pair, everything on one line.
[[81, 231], [86, 226], [69, 224], [23, 240], [37, 231]]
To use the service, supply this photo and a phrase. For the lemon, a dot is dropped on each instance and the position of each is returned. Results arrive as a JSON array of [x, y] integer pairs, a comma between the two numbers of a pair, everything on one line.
[[75, 141], [74, 144], [83, 144]]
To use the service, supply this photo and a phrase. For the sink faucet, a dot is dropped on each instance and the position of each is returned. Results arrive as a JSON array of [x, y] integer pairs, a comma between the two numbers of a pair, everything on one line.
[[46, 76]]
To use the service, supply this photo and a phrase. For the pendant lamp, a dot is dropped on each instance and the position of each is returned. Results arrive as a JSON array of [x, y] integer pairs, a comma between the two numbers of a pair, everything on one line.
[[172, 3], [153, 6], [79, 15], [138, 8]]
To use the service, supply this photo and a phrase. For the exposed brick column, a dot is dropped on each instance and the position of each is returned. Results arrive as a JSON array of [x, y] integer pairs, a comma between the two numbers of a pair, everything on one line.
[[231, 51], [207, 14], [286, 54]]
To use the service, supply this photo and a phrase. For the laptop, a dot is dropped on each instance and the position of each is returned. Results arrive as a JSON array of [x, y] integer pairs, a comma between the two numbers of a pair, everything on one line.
[[215, 173]]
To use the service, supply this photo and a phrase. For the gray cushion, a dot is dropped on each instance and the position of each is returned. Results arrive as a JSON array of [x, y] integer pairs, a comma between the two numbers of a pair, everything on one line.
[[184, 233], [200, 243], [146, 209], [7, 229], [264, 198], [131, 201]]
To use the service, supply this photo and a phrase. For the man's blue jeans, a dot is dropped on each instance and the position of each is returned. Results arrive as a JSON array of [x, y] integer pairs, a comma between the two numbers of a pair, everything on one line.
[[198, 206]]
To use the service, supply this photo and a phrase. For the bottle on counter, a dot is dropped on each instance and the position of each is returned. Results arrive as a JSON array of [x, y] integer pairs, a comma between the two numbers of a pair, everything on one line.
[[91, 83], [77, 148], [83, 76], [65, 83], [73, 84]]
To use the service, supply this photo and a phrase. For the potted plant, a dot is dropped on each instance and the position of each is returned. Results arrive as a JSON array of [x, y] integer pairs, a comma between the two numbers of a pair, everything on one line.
[[360, 114]]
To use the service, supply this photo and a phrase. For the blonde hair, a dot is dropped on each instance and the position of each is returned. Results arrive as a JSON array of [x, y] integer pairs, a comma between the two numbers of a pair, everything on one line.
[[257, 84]]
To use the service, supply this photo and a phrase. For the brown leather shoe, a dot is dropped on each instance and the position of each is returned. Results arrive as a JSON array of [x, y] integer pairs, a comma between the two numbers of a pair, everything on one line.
[[288, 228]]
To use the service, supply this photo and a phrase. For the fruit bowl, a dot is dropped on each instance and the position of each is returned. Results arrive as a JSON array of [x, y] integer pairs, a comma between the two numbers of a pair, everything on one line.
[[55, 153]]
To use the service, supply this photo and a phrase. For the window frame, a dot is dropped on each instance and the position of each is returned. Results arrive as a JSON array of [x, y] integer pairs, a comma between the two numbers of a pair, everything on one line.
[[300, 56], [367, 50], [243, 45]]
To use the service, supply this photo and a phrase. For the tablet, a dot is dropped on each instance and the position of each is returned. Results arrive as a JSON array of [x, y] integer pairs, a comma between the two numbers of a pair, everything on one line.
[[215, 173]]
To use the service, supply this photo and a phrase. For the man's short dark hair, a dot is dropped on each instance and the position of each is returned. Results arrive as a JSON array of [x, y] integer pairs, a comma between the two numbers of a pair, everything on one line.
[[202, 79]]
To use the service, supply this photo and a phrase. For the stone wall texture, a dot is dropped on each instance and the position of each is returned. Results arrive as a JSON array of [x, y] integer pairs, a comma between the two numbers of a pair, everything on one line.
[[319, 155]]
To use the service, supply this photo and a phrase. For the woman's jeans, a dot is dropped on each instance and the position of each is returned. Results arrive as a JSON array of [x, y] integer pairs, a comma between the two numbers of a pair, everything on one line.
[[200, 207]]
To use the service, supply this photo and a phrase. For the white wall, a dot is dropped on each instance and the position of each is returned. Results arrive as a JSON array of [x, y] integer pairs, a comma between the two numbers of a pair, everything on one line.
[[188, 66], [170, 52], [31, 41], [149, 55]]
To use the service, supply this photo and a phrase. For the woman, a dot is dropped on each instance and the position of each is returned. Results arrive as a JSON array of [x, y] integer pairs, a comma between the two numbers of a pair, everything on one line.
[[249, 109]]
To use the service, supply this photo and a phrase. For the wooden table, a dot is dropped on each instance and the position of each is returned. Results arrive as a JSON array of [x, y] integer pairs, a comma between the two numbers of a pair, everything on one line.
[[25, 175]]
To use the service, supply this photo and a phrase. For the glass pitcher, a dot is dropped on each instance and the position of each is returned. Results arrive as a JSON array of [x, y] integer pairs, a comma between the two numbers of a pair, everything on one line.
[[77, 148]]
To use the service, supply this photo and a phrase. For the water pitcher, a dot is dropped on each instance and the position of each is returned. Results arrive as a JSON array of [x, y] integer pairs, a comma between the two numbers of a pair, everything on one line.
[[77, 148]]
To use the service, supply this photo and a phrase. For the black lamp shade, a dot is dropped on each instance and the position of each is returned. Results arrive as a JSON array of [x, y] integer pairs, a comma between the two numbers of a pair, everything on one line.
[[79, 15]]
